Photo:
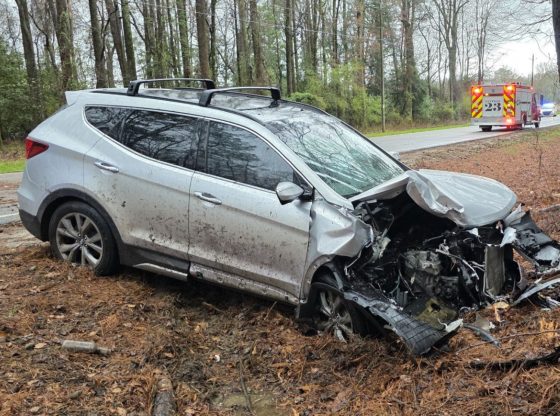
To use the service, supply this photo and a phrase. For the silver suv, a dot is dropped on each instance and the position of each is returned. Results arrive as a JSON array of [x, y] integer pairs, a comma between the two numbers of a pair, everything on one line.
[[275, 198]]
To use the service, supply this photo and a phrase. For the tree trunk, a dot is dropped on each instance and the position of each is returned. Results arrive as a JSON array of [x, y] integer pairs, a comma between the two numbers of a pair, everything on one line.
[[290, 81], [360, 40], [172, 41], [116, 33], [161, 53], [184, 38], [241, 40], [29, 56], [128, 41], [149, 35], [260, 71], [407, 18], [65, 39], [98, 47], [212, 29], [202, 37]]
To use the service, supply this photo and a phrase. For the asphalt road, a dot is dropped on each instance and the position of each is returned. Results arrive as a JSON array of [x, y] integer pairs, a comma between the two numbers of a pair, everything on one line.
[[423, 140]]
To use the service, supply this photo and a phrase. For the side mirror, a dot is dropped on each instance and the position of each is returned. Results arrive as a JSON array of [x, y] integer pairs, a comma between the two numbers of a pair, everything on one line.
[[395, 155], [288, 192]]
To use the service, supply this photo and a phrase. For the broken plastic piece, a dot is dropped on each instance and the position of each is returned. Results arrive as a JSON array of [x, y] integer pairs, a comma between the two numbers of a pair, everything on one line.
[[536, 288]]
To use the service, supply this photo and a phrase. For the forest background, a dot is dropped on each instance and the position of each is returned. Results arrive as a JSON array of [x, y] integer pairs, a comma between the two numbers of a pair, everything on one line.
[[417, 58]]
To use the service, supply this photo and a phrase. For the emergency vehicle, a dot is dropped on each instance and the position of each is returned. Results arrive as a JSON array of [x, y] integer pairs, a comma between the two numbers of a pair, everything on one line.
[[504, 105]]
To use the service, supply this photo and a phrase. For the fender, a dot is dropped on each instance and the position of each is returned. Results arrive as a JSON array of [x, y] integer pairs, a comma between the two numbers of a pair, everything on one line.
[[56, 198]]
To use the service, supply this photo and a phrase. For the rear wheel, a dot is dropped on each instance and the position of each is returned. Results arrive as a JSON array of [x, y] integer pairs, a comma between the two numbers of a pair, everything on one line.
[[485, 128], [80, 235], [334, 314]]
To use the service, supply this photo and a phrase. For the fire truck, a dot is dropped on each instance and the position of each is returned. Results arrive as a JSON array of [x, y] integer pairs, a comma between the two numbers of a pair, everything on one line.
[[504, 105]]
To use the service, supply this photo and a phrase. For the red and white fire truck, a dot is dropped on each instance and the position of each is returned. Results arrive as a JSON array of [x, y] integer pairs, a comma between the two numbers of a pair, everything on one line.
[[504, 105]]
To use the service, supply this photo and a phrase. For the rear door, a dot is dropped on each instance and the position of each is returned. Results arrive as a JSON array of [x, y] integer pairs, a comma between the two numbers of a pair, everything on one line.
[[141, 172], [236, 223]]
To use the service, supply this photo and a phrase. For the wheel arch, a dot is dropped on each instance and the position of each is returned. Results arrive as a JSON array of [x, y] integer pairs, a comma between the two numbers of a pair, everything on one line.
[[61, 196]]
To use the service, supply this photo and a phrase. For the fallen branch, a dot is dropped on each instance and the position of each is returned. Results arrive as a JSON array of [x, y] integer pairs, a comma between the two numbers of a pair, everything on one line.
[[164, 401], [214, 308], [244, 388], [524, 334], [525, 363]]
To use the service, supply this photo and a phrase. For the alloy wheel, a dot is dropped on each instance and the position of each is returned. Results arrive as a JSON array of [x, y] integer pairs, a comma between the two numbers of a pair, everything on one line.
[[334, 316], [78, 239]]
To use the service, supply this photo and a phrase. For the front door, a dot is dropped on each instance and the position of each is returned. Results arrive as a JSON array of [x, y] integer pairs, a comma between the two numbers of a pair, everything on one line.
[[236, 222]]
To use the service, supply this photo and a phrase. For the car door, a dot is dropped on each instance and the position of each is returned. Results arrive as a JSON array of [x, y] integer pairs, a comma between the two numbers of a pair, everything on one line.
[[236, 222], [141, 174]]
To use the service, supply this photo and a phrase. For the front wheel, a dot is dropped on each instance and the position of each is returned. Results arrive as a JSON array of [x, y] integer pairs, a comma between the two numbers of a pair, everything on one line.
[[537, 125], [485, 128], [80, 235], [332, 313]]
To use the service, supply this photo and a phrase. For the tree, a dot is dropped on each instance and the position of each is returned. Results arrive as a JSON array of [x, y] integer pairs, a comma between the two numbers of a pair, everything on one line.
[[62, 16], [98, 47], [260, 71], [556, 25], [448, 25], [201, 10]]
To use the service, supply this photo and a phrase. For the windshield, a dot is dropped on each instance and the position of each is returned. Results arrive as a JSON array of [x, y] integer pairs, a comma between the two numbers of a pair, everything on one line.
[[346, 161]]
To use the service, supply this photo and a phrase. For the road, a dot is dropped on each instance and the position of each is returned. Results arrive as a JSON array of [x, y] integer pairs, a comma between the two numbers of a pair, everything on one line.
[[423, 140], [8, 199]]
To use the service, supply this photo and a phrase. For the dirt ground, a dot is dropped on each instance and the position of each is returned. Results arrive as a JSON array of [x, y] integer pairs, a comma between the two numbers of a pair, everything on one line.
[[232, 354]]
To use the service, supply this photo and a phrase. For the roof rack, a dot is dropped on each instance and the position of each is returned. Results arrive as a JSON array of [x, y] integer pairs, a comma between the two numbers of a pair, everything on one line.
[[134, 86], [206, 96]]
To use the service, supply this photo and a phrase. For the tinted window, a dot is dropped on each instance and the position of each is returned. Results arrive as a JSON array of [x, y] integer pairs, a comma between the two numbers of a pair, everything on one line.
[[170, 138], [107, 119], [236, 154]]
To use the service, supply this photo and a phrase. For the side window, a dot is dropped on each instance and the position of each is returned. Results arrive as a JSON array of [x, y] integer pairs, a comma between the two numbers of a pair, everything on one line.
[[236, 154], [107, 119], [170, 138]]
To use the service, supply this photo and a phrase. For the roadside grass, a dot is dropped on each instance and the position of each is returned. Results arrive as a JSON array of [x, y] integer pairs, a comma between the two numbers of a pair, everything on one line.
[[414, 130], [9, 166], [12, 157]]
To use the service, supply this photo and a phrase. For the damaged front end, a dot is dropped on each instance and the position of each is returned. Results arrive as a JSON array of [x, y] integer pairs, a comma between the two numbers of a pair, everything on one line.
[[440, 243]]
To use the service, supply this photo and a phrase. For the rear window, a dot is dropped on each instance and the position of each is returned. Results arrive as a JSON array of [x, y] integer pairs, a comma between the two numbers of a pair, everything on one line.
[[107, 119], [167, 137]]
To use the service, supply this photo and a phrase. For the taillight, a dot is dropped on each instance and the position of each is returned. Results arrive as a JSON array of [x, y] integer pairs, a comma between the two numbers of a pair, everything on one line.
[[33, 148]]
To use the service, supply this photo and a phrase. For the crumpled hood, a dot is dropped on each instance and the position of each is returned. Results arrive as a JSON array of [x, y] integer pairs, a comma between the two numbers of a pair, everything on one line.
[[467, 200]]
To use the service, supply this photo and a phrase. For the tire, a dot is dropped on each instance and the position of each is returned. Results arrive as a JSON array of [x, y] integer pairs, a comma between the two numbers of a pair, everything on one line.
[[537, 125], [80, 235], [332, 313], [486, 128]]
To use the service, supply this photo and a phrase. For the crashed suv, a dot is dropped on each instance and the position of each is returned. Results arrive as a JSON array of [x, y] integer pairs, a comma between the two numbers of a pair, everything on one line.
[[275, 198]]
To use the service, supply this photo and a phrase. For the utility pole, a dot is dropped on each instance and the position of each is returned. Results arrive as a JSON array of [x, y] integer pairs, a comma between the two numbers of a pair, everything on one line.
[[532, 69], [382, 66]]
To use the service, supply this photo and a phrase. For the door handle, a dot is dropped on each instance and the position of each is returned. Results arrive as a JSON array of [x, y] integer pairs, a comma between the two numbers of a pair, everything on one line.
[[208, 198], [106, 166]]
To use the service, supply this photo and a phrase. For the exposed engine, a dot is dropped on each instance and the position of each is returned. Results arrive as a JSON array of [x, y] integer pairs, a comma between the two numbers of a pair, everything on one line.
[[417, 255]]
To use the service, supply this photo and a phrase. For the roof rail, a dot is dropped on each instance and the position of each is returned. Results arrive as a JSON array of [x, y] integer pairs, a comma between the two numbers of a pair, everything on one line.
[[206, 96], [134, 86]]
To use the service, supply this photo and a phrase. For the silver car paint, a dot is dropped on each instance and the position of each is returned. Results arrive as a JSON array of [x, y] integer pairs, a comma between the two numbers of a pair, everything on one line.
[[285, 246], [467, 200]]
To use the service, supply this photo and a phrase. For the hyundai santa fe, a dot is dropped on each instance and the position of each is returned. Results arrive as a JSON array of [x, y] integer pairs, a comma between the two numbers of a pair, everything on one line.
[[275, 198]]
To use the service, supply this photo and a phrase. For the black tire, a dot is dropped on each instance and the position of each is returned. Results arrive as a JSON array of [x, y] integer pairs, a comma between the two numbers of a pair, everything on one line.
[[344, 318], [79, 234], [486, 128], [537, 125]]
